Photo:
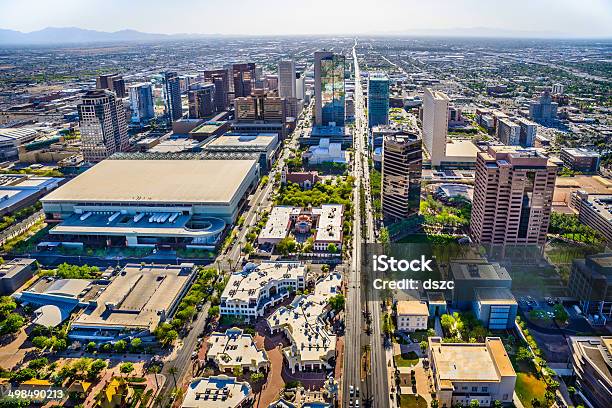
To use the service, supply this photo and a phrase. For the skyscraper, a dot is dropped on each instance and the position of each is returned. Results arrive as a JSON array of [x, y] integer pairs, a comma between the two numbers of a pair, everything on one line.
[[378, 99], [221, 79], [112, 82], [141, 102], [401, 175], [329, 88], [102, 124], [201, 100], [172, 96], [300, 84], [513, 193], [435, 125], [244, 79], [543, 109], [286, 79]]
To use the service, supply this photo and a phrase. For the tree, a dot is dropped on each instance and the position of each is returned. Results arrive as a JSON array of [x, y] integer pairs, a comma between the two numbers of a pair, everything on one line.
[[81, 366], [423, 345], [12, 324], [286, 245], [474, 403], [91, 346], [214, 311], [571, 391], [337, 302], [497, 404], [10, 402], [434, 403], [237, 371], [332, 248], [523, 354], [126, 368], [7, 305], [173, 370], [24, 374], [96, 368], [447, 321], [561, 314], [120, 346], [38, 363], [257, 377], [135, 344]]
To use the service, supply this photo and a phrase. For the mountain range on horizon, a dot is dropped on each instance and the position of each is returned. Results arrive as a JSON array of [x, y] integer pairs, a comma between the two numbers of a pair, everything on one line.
[[76, 35]]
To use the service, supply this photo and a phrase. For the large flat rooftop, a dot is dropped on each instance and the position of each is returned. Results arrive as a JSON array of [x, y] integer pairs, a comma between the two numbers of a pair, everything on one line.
[[471, 362], [137, 297], [262, 140], [157, 181]]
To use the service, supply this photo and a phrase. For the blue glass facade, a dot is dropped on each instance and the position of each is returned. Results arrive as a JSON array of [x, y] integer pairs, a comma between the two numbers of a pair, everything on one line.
[[378, 100]]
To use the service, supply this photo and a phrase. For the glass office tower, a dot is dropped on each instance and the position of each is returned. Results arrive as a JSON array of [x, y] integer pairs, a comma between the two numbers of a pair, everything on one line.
[[378, 99], [330, 91]]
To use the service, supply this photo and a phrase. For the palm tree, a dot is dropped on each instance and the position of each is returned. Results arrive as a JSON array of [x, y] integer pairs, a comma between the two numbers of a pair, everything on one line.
[[173, 370]]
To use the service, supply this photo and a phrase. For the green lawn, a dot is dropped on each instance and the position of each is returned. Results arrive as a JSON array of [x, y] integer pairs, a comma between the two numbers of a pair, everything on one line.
[[412, 401], [529, 387], [406, 360]]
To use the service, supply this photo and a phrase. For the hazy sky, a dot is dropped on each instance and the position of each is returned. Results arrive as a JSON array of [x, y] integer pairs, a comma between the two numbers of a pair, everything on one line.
[[566, 17]]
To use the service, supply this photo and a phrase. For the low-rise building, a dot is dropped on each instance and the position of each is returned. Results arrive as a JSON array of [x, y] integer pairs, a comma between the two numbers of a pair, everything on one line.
[[265, 144], [326, 221], [595, 210], [412, 315], [148, 203], [313, 345], [250, 292], [304, 179], [16, 272], [580, 159], [18, 191], [591, 359], [469, 274], [134, 303], [235, 349], [326, 152], [55, 300], [590, 282], [218, 391], [463, 372], [495, 307], [207, 130]]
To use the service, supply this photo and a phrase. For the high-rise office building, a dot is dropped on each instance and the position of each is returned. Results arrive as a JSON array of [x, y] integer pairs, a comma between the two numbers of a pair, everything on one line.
[[543, 109], [378, 100], [435, 125], [141, 102], [508, 132], [513, 193], [286, 79], [300, 85], [244, 79], [102, 124], [112, 82], [201, 101], [172, 96], [260, 107], [528, 132], [221, 79], [329, 88], [401, 175]]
